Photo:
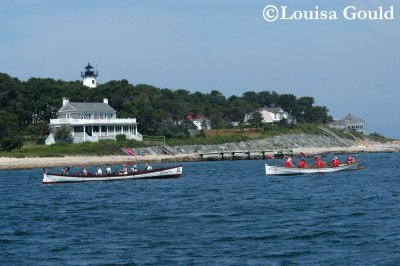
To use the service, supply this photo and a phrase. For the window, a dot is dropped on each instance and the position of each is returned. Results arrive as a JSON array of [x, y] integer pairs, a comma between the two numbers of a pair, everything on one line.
[[78, 129]]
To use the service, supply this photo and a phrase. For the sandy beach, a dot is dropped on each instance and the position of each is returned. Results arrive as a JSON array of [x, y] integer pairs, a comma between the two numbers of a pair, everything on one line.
[[7, 163]]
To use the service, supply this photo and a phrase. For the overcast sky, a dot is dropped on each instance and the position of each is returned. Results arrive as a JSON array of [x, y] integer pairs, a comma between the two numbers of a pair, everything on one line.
[[350, 66]]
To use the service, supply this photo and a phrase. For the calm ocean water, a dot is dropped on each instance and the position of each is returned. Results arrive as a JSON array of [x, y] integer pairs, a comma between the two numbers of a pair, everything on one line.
[[218, 213]]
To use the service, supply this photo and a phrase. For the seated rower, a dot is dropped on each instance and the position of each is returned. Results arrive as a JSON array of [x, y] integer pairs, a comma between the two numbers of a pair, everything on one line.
[[147, 167], [66, 168], [288, 162], [302, 163], [84, 171], [134, 169], [335, 162], [99, 170], [108, 169], [123, 170], [350, 160], [318, 162]]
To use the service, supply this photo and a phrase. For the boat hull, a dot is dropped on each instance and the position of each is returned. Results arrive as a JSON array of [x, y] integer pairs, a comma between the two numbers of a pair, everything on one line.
[[277, 170], [162, 173]]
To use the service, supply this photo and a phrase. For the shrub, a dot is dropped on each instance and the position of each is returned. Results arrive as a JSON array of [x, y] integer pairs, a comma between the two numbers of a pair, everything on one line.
[[378, 137], [40, 141], [63, 134], [10, 143], [120, 138]]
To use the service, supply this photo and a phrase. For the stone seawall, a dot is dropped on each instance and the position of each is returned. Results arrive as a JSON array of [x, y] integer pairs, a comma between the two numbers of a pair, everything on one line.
[[282, 142], [309, 144]]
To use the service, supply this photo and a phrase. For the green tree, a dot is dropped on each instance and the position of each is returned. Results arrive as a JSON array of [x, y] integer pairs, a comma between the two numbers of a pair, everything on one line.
[[237, 109], [256, 120], [318, 114], [288, 102], [63, 134], [9, 124], [24, 104], [10, 142]]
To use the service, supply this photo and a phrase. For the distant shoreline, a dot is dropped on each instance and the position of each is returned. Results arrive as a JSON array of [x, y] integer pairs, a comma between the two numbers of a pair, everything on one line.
[[8, 163]]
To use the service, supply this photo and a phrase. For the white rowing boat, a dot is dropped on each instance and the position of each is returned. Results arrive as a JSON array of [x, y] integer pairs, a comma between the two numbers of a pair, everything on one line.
[[161, 173], [277, 170]]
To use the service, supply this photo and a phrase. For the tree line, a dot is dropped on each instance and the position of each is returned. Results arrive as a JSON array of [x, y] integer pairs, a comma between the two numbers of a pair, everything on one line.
[[27, 106]]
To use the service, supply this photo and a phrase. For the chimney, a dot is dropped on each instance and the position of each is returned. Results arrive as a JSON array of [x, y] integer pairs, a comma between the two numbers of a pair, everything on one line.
[[65, 100], [105, 100]]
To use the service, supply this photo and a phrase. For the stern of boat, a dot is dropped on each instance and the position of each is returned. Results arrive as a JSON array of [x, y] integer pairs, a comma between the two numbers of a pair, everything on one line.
[[44, 180], [180, 170], [267, 169]]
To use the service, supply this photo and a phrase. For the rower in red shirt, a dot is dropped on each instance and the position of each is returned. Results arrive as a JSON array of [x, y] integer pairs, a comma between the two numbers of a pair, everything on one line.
[[335, 162], [318, 162], [350, 160], [302, 163], [288, 162]]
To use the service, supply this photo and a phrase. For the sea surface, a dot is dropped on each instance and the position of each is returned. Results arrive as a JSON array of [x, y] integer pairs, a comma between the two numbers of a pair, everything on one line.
[[217, 213]]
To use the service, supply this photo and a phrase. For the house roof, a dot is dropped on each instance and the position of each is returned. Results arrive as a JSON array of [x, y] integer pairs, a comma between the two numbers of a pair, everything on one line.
[[86, 108], [196, 118], [349, 119], [273, 109]]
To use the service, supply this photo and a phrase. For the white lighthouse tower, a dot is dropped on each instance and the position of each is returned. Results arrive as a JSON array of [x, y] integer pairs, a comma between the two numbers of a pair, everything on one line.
[[89, 77]]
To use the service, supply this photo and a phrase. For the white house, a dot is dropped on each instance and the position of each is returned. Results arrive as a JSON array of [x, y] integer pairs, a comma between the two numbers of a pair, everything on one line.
[[200, 121], [269, 115], [349, 122], [92, 122]]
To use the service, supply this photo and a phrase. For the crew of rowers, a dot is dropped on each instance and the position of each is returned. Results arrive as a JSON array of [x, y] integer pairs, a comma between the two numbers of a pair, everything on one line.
[[123, 171], [318, 162]]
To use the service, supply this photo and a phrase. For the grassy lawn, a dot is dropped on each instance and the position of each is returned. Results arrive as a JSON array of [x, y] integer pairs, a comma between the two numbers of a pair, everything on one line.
[[62, 149]]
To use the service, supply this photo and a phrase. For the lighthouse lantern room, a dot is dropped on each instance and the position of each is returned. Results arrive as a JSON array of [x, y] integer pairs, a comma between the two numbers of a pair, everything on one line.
[[89, 77]]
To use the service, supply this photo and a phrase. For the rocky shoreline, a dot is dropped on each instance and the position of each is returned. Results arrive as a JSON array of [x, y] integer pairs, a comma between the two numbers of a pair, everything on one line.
[[303, 143], [314, 144]]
